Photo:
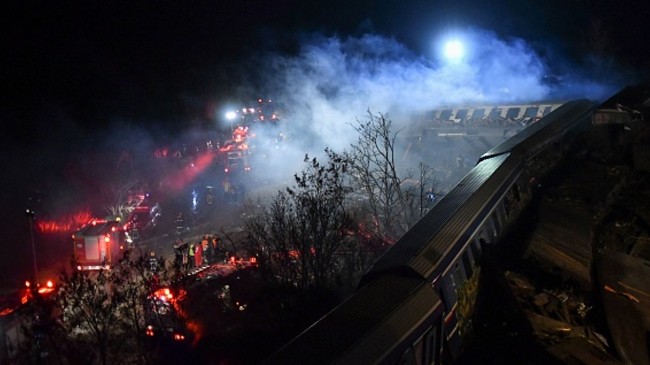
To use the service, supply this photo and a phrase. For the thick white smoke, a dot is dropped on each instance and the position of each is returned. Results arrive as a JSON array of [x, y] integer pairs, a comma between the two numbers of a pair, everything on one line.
[[331, 82]]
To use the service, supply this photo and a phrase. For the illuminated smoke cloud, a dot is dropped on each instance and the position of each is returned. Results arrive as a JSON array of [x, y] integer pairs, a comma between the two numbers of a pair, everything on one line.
[[333, 81]]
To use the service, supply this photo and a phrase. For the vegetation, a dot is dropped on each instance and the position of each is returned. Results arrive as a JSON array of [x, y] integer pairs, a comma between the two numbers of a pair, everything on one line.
[[303, 234], [313, 241], [395, 201], [94, 317]]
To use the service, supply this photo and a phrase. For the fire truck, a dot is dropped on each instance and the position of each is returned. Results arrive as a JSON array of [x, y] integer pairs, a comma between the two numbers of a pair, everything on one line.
[[98, 244], [235, 151], [262, 118]]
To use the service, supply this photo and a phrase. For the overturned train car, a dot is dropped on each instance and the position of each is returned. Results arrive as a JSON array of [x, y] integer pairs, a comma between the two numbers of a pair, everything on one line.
[[415, 305]]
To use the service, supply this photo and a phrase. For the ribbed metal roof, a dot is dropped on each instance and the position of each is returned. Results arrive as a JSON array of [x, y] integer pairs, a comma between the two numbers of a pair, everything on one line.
[[574, 112], [366, 326], [423, 246]]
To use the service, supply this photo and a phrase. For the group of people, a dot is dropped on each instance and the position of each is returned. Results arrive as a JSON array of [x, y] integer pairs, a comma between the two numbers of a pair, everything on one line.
[[190, 255]]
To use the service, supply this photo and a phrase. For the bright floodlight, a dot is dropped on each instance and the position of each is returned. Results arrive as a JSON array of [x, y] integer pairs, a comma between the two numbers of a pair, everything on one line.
[[231, 115], [454, 50]]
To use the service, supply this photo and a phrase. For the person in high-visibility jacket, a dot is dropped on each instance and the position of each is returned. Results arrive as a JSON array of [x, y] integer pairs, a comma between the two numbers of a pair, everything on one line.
[[190, 252]]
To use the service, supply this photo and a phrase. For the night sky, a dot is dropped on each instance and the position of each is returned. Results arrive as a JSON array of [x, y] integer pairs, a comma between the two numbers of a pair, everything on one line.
[[71, 71]]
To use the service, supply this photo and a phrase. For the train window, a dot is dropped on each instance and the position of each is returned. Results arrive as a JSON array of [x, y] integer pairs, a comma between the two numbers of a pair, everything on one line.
[[515, 192], [445, 114], [513, 113], [531, 112], [418, 351], [408, 357], [502, 213], [476, 250], [461, 114], [459, 276], [430, 347], [448, 294], [495, 221], [489, 229], [468, 262], [495, 113], [478, 113]]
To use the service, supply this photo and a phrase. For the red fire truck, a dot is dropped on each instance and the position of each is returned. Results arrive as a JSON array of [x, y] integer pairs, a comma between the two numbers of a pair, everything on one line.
[[235, 151], [98, 244]]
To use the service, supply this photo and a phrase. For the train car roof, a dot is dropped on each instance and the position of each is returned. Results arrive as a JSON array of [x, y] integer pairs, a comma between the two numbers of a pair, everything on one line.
[[381, 308], [424, 245], [421, 250], [573, 110]]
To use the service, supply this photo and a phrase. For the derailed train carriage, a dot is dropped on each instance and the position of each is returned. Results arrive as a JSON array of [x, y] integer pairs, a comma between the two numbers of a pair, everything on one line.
[[415, 305]]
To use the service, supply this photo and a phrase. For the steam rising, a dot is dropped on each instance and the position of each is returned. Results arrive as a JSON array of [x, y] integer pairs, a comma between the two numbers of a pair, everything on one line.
[[333, 81]]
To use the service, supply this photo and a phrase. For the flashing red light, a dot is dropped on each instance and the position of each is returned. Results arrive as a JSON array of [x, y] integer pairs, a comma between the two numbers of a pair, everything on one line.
[[45, 290], [164, 294], [178, 337], [27, 284], [49, 284], [149, 331]]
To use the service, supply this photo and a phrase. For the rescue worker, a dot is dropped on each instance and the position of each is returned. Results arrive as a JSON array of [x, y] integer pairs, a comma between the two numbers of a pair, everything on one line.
[[185, 261], [211, 249], [178, 254], [198, 255], [205, 245], [190, 253]]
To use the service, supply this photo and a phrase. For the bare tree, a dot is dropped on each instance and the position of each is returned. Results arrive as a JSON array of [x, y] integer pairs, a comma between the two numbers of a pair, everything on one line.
[[90, 311], [135, 282], [103, 312], [115, 196], [418, 193], [304, 228], [374, 166]]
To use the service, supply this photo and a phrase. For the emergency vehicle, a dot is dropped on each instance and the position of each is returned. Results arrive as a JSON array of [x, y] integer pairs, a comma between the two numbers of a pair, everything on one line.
[[235, 151], [98, 244], [142, 222], [262, 118]]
